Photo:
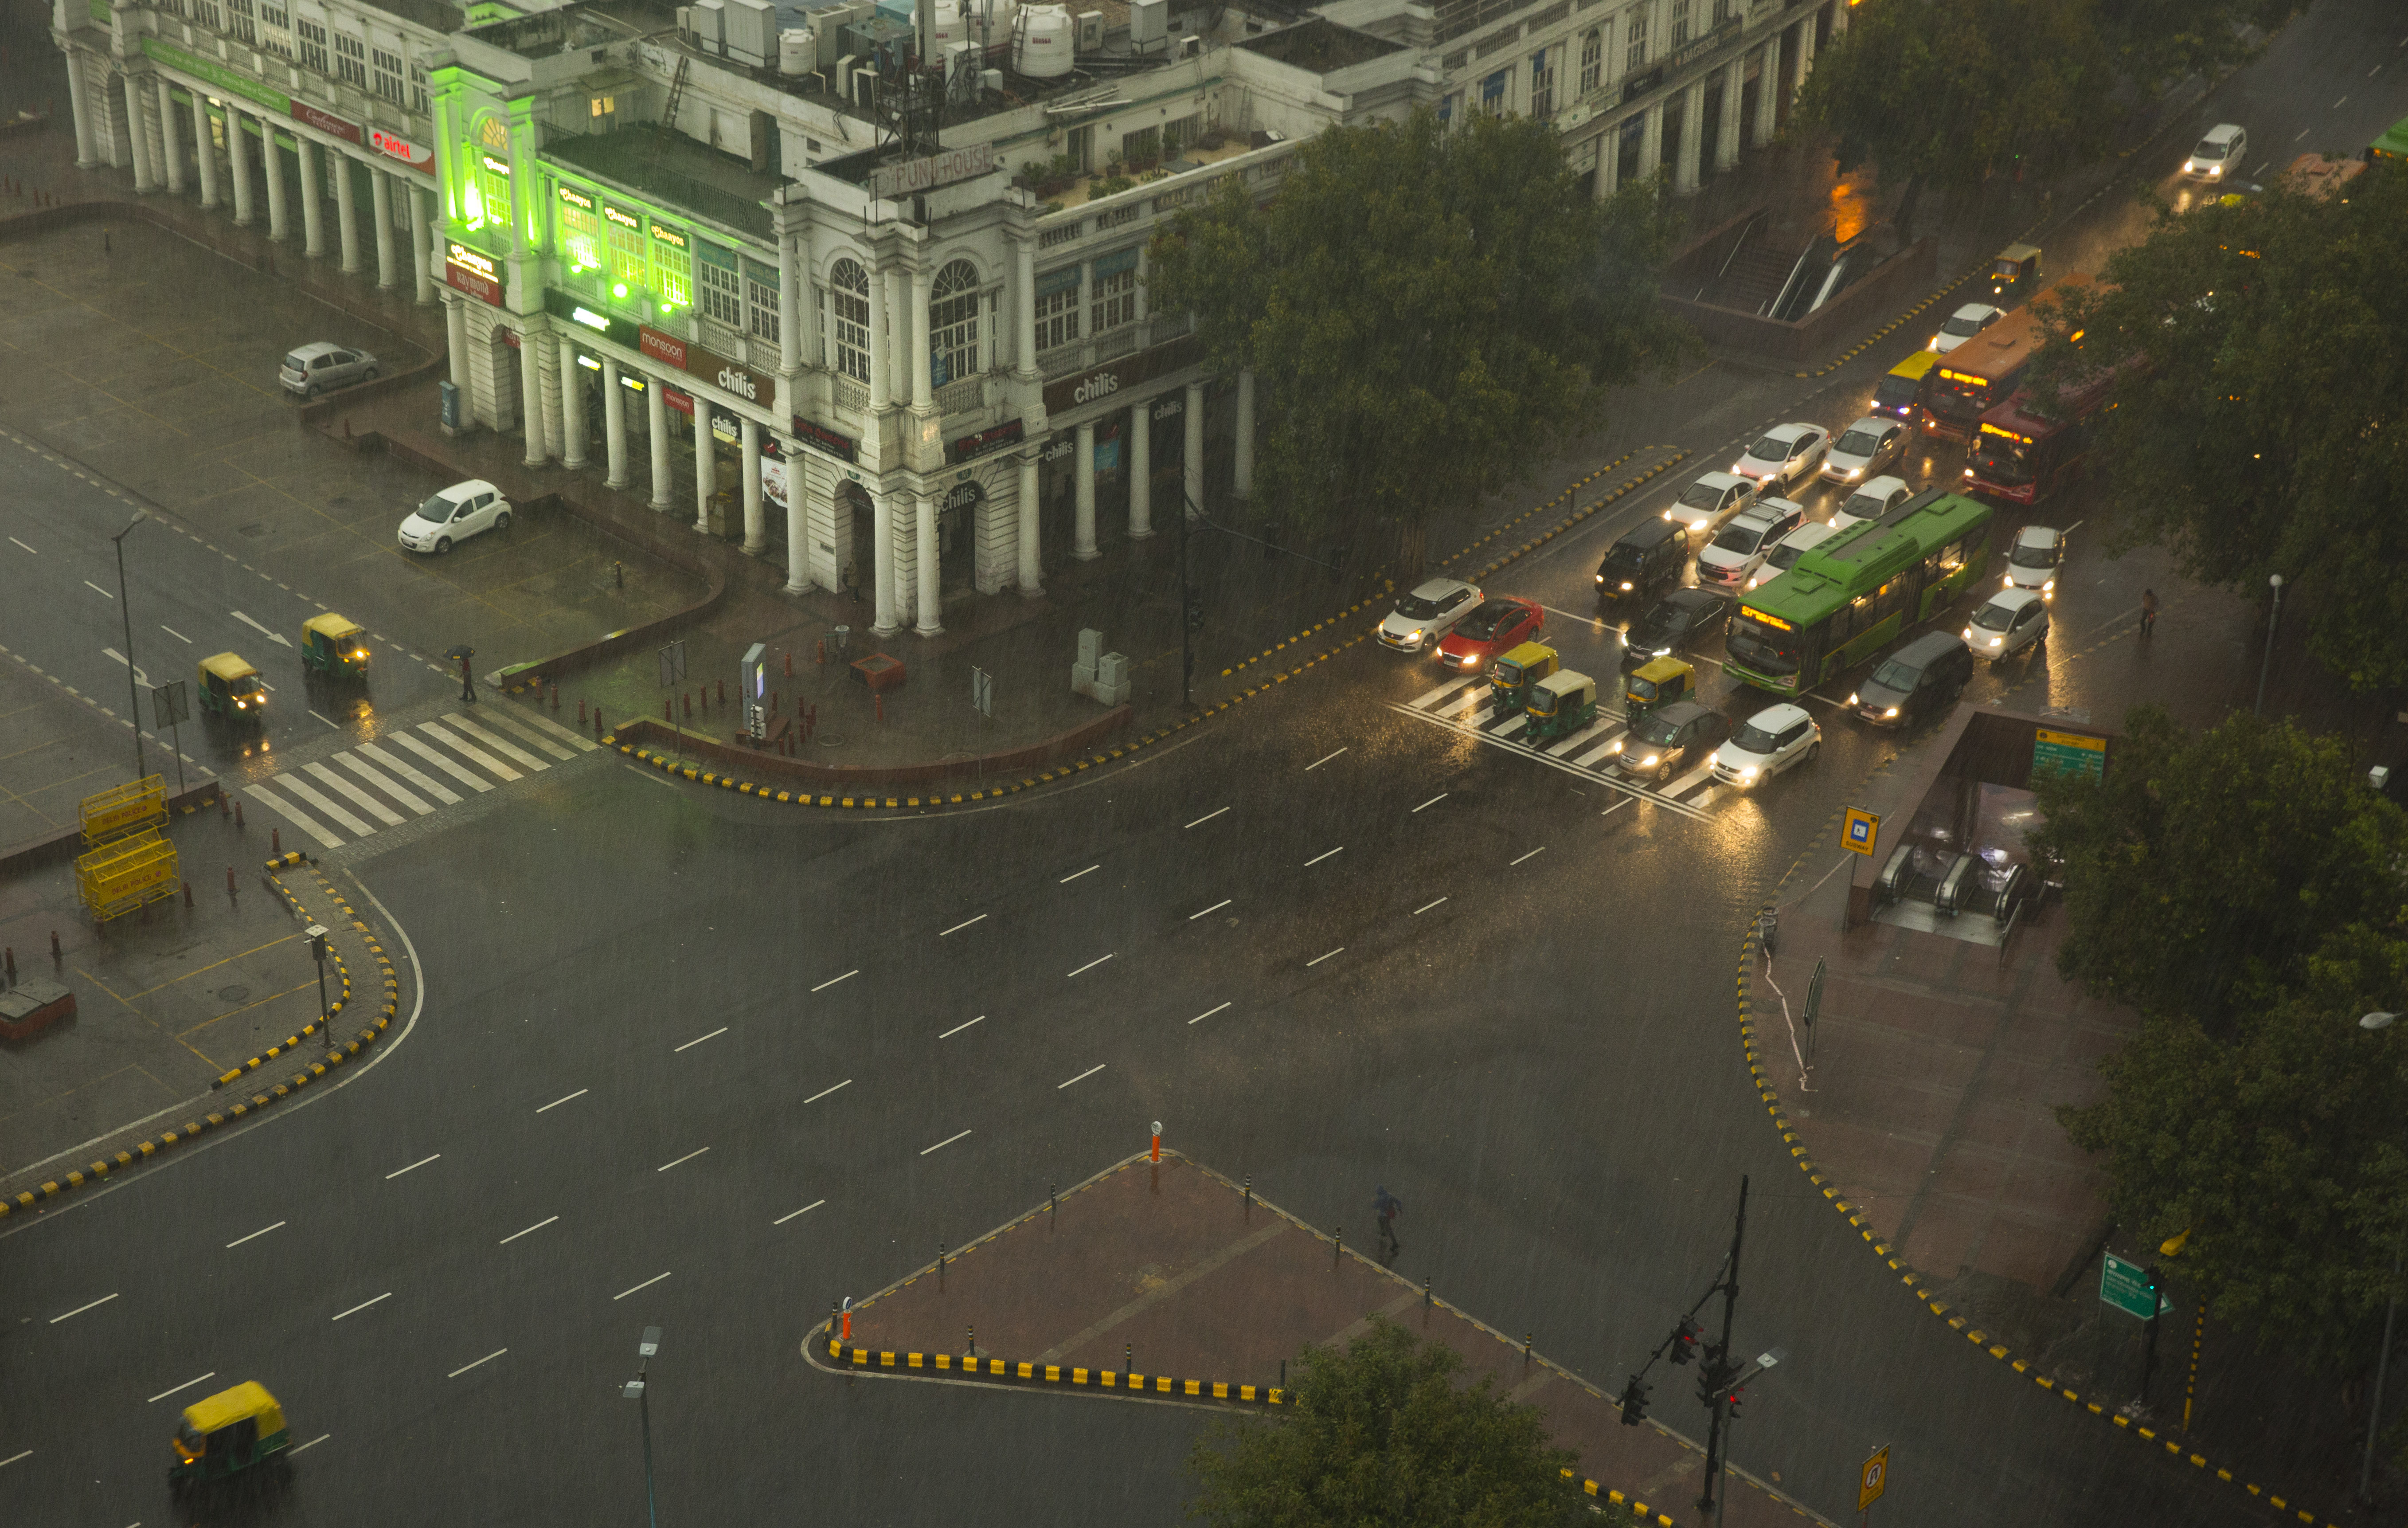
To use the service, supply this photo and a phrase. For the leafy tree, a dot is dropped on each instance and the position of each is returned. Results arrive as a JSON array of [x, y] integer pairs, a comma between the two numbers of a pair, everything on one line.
[[2158, 43], [1431, 309], [1382, 1433], [2262, 436]]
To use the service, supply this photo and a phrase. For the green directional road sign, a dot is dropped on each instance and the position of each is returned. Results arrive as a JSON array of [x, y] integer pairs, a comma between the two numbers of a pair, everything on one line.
[[2125, 1287]]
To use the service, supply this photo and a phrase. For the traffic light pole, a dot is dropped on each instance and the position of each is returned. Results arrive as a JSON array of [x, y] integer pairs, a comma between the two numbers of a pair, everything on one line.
[[1719, 1370]]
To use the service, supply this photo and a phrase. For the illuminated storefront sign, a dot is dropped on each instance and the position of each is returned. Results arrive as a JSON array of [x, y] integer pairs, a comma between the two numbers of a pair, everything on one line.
[[393, 145], [325, 122], [970, 447], [661, 347], [472, 271], [843, 446]]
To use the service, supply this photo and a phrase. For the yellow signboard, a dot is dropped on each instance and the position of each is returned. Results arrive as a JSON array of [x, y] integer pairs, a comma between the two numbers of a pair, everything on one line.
[[1875, 1478], [1859, 829]]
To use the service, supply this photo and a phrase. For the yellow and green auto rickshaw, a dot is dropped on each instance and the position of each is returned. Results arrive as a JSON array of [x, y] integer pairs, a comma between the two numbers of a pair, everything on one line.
[[232, 687], [229, 1432], [1560, 705], [1510, 678], [334, 644], [2014, 275], [1658, 682]]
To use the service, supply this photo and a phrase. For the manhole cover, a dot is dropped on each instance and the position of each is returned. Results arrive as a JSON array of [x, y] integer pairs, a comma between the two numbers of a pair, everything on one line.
[[233, 994], [830, 740]]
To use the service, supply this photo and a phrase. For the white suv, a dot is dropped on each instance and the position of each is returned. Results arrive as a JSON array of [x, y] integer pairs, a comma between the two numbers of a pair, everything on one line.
[[2218, 155]]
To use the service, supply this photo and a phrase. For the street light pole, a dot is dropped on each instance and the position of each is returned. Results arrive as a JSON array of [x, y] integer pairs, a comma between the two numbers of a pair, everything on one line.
[[637, 1390], [2391, 1312], [125, 610], [2271, 621]]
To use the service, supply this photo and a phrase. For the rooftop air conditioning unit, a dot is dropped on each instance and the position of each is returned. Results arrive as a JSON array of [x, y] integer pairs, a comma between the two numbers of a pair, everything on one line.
[[864, 89], [1148, 23], [1091, 31], [1190, 46], [710, 32], [750, 31]]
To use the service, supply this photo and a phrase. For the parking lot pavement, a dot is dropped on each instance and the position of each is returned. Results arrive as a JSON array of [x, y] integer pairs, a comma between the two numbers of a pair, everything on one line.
[[1170, 1269]]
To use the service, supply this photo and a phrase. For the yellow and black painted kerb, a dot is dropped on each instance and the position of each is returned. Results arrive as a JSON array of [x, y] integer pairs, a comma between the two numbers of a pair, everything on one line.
[[343, 1051], [1601, 501], [1561, 498]]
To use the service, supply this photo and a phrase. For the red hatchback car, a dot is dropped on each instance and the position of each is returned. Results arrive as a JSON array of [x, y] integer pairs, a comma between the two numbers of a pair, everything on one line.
[[1494, 627]]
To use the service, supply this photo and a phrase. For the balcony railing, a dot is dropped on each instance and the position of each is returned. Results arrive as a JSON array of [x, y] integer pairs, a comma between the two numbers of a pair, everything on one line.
[[961, 396]]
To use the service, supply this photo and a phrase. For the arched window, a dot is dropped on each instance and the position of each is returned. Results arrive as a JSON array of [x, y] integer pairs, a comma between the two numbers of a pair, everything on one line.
[[953, 322], [1592, 65], [846, 311]]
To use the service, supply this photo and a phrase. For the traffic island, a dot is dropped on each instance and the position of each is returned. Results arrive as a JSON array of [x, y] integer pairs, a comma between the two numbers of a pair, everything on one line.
[[1166, 1283]]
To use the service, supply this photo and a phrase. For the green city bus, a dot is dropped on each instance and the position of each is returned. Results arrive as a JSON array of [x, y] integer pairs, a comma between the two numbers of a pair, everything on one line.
[[1846, 599], [2393, 144]]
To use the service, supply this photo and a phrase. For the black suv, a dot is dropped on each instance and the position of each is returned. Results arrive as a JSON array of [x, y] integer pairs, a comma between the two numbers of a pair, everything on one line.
[[1680, 620], [1648, 558], [1927, 673]]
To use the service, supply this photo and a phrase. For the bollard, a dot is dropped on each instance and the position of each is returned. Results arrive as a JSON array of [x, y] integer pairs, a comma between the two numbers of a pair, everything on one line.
[[1526, 1339], [56, 957], [823, 651], [1426, 1293], [188, 893], [580, 710], [848, 1317], [275, 844], [229, 881], [723, 692], [1052, 1200], [940, 1259], [619, 573], [790, 663], [668, 711], [1155, 1154], [555, 700], [775, 697], [11, 967], [1337, 1247], [688, 696], [1128, 1357], [969, 1348], [597, 721], [237, 811], [831, 1318], [225, 810], [1250, 1193], [881, 699]]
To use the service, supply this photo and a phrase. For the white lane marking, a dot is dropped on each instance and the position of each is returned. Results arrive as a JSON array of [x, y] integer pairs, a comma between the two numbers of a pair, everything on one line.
[[178, 635], [1688, 782], [1433, 696], [1075, 874], [274, 637], [959, 1027], [98, 590], [320, 801], [687, 1158], [805, 1210], [186, 1385], [1431, 803], [1513, 724], [365, 1304], [946, 1142], [80, 1309], [1533, 854], [516, 1234], [317, 770], [1425, 907], [645, 1285], [1593, 730], [1206, 1014], [558, 1102], [329, 720], [1081, 1077], [390, 787], [2301, 134], [139, 677], [27, 548], [1092, 964], [649, 775], [311, 1444], [574, 739], [1318, 958], [847, 1083], [254, 1235], [28, 1453], [516, 726], [833, 980], [1319, 857], [448, 766], [959, 927], [700, 1038], [1590, 760], [1214, 908], [1495, 739], [469, 751], [2336, 106], [495, 742], [412, 1168], [1205, 818], [487, 1359], [1617, 806], [1319, 762]]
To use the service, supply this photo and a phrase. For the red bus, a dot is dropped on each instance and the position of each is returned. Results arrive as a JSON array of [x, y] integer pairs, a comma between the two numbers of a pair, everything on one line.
[[2022, 455], [1984, 371]]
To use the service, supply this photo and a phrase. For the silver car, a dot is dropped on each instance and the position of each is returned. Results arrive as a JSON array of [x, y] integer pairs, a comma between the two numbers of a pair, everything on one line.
[[322, 367], [1422, 618]]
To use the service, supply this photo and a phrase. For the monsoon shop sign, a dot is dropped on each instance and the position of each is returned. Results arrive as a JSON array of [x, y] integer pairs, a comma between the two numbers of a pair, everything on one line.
[[216, 74]]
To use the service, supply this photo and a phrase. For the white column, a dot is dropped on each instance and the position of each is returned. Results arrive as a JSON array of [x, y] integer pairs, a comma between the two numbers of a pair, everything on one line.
[[279, 221], [137, 132], [879, 396], [925, 561], [756, 528], [881, 535], [381, 198], [656, 414], [422, 240], [1244, 486], [1838, 18], [455, 339], [238, 165], [80, 103], [1734, 87], [530, 394], [172, 147], [1194, 453], [1141, 469], [922, 393], [705, 463], [1806, 48], [1768, 90], [1650, 140], [1693, 132], [1608, 162], [1083, 545], [791, 275], [203, 149], [1031, 563], [614, 425], [898, 337], [347, 217], [1024, 309], [572, 406], [798, 562], [313, 199]]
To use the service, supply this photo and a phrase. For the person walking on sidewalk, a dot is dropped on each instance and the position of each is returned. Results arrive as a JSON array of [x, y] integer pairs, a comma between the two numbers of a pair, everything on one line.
[[1388, 1206], [2148, 610]]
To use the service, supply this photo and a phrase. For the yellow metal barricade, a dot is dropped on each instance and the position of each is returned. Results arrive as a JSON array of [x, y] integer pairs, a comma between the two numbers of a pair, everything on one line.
[[127, 809], [119, 877]]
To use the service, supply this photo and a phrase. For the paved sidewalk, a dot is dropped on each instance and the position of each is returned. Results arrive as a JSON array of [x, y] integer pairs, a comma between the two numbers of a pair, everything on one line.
[[1172, 1270]]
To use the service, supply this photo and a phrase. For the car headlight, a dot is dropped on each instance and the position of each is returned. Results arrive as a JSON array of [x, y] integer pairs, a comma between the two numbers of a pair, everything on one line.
[[1891, 711], [1415, 635], [1747, 776], [2049, 587], [2214, 169], [1601, 578], [1856, 472], [2007, 582], [1969, 472], [1968, 633], [1996, 641], [1626, 586], [1617, 746], [1934, 344], [2189, 165], [1668, 515], [1649, 762], [1851, 700]]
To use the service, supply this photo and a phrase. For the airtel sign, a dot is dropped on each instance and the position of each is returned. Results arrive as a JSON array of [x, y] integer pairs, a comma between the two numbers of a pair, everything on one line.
[[395, 147]]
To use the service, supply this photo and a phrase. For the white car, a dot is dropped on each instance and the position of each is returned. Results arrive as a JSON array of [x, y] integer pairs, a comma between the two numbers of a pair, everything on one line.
[[1784, 453], [2011, 622], [1963, 324], [1864, 448], [1714, 497], [1768, 743], [2218, 155], [1786, 551], [458, 513], [1422, 618], [1741, 547], [1870, 502], [2032, 562]]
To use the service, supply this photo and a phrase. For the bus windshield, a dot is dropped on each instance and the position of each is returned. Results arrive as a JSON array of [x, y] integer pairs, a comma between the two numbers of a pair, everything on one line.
[[2002, 458], [1762, 647]]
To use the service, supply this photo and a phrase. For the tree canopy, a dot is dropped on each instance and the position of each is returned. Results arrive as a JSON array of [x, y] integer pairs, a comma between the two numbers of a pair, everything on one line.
[[1381, 1431], [1432, 309], [2263, 435]]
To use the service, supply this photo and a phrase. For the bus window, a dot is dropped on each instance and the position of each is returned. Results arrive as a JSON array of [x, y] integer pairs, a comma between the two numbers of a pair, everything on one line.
[[1952, 556]]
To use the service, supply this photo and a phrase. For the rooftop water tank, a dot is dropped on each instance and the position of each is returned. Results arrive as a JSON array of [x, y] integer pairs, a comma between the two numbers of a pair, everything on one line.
[[798, 51], [1043, 42]]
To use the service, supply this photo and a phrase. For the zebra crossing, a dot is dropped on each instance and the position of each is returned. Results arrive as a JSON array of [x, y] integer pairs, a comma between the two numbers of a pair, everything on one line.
[[1464, 706], [414, 772]]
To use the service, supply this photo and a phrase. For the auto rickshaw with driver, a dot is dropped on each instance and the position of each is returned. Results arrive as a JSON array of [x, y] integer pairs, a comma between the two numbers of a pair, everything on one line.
[[231, 687], [1658, 682], [334, 645], [1511, 677], [2014, 275], [1560, 705], [229, 1432]]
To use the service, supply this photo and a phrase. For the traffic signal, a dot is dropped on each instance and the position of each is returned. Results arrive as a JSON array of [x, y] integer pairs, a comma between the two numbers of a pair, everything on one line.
[[1684, 1341], [1634, 1403], [1194, 610], [1732, 1400]]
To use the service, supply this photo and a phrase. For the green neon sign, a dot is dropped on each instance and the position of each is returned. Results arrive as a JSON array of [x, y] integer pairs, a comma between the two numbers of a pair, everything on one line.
[[216, 74]]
